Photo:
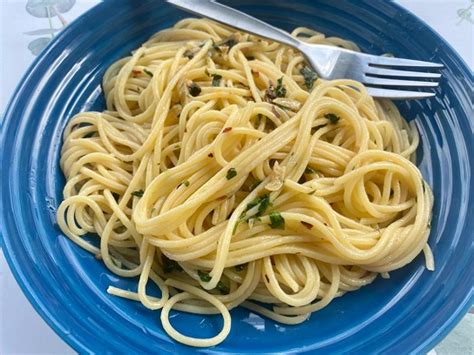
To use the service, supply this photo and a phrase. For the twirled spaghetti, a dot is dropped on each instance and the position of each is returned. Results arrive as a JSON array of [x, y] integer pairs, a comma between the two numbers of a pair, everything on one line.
[[226, 173]]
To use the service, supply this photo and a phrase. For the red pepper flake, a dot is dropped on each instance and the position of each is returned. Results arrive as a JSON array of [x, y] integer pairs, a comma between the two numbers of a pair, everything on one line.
[[222, 198], [307, 225], [227, 129], [136, 72], [275, 111], [210, 155]]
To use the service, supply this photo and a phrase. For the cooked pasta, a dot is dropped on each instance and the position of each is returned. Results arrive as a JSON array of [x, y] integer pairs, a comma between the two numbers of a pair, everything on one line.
[[226, 173]]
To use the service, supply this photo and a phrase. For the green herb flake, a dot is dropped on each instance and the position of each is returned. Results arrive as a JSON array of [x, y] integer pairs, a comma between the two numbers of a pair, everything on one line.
[[138, 193], [216, 79], [310, 170], [309, 76], [194, 89], [276, 220], [280, 90], [264, 203], [305, 35], [223, 288], [240, 267], [333, 118], [229, 42], [231, 173], [169, 265], [204, 276], [147, 72]]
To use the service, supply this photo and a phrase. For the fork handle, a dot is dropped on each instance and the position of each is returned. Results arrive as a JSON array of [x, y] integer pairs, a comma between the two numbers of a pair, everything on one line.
[[229, 16]]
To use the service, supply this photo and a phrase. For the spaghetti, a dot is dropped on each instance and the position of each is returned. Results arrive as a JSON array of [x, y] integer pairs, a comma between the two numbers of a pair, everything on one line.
[[226, 173]]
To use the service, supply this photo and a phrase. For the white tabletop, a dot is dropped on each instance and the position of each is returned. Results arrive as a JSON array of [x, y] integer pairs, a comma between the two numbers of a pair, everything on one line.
[[22, 331]]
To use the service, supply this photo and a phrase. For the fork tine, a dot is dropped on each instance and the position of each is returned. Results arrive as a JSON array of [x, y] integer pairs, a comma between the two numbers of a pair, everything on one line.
[[401, 73], [395, 82], [399, 94], [400, 62]]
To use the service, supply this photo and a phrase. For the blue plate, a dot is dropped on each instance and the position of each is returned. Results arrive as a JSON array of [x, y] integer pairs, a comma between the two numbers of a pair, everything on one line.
[[411, 312]]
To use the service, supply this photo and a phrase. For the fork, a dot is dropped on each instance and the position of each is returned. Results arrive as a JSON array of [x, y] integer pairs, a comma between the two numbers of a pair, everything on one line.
[[383, 76]]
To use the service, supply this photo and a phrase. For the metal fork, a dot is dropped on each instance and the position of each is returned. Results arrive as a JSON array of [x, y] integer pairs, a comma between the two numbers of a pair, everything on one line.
[[383, 76]]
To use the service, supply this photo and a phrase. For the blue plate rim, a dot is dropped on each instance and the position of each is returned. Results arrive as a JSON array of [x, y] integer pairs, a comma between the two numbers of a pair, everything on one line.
[[41, 307]]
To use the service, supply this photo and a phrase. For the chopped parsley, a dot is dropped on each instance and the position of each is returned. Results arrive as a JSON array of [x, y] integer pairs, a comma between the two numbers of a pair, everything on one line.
[[169, 265], [273, 92], [216, 79], [138, 193], [194, 89], [276, 220], [280, 90], [333, 118], [231, 173], [223, 288], [204, 276], [309, 76], [147, 72], [310, 170], [262, 202], [229, 42]]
